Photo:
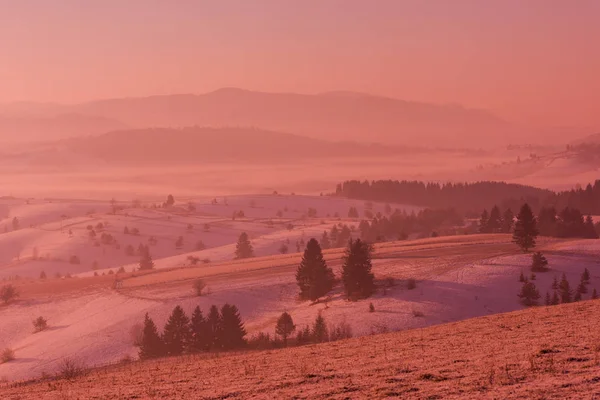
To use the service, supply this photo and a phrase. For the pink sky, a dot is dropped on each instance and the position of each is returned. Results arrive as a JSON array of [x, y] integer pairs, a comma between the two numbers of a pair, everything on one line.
[[533, 61]]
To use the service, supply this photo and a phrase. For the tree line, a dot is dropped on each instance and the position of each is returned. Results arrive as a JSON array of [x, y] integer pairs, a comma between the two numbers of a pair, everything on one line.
[[471, 197], [220, 330]]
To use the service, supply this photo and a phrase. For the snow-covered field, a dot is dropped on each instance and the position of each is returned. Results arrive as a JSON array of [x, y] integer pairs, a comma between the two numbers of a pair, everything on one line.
[[457, 277]]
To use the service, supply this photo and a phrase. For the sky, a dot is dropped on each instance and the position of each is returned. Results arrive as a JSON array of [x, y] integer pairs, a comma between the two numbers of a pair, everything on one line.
[[529, 61]]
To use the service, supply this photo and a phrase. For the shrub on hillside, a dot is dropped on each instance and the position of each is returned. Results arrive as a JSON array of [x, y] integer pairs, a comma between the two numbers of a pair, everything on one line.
[[343, 330], [199, 286], [70, 369], [40, 324], [74, 260], [7, 355], [8, 293], [539, 263]]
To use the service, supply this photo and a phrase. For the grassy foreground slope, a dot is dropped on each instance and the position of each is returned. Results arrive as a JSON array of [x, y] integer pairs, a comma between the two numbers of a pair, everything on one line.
[[539, 353]]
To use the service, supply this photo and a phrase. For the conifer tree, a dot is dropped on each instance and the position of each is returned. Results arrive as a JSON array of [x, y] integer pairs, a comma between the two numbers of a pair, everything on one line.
[[525, 231], [483, 222], [285, 327], [581, 288], [243, 248], [359, 281], [555, 283], [529, 294], [151, 345], [177, 333], [577, 296], [494, 223], [594, 294], [333, 236], [232, 328], [313, 276], [555, 299], [325, 243], [146, 262], [200, 332], [303, 336], [319, 331], [215, 327], [522, 277], [539, 263], [508, 221], [565, 290], [548, 300], [585, 277]]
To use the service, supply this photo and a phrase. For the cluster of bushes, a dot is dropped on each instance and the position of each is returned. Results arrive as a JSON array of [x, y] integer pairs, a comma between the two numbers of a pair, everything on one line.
[[337, 237], [219, 330]]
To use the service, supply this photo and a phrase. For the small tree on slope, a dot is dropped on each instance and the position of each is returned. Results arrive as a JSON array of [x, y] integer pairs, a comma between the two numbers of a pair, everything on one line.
[[539, 263], [243, 248], [233, 331], [146, 262], [313, 276], [525, 232], [285, 327], [151, 345], [529, 294], [177, 334], [359, 281]]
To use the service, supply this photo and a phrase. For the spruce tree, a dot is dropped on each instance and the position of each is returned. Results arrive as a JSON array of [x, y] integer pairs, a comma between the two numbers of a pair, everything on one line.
[[483, 222], [594, 294], [313, 276], [539, 263], [525, 231], [233, 331], [215, 327], [359, 281], [151, 345], [303, 336], [333, 235], [555, 283], [522, 277], [177, 333], [548, 300], [529, 294], [508, 221], [200, 332], [581, 288], [325, 243], [565, 290], [555, 299], [285, 327], [146, 262], [319, 332], [243, 248], [585, 277], [577, 296], [494, 224]]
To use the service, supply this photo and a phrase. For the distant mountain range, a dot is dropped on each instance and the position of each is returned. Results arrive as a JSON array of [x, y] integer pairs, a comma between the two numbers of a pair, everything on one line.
[[330, 116], [164, 146]]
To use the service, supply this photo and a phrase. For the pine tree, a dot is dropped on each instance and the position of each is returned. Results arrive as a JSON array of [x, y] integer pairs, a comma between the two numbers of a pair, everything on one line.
[[529, 294], [565, 290], [522, 277], [285, 327], [200, 332], [555, 283], [232, 332], [483, 222], [333, 235], [581, 288], [43, 275], [577, 297], [313, 276], [585, 277], [539, 263], [494, 223], [151, 345], [525, 231], [548, 301], [243, 248], [215, 327], [325, 243], [177, 333], [146, 262], [508, 221], [356, 271], [594, 294], [555, 299], [319, 331], [303, 336]]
